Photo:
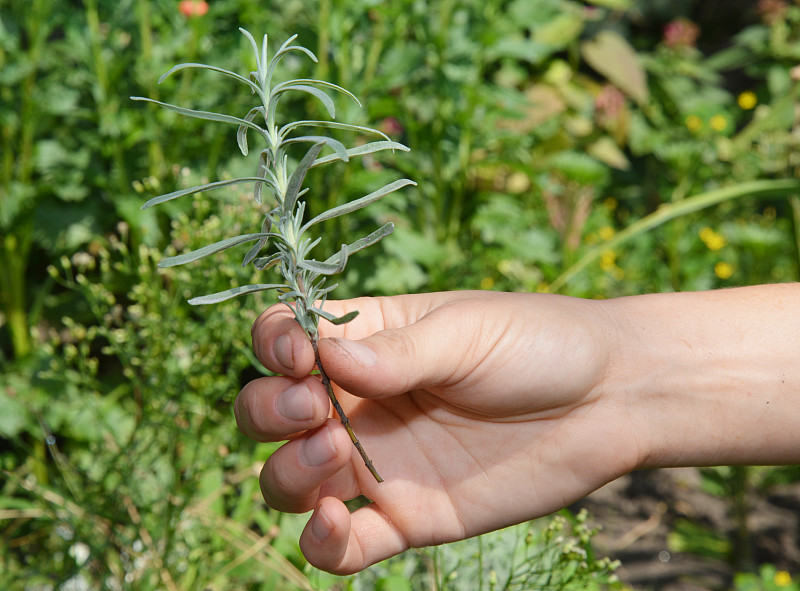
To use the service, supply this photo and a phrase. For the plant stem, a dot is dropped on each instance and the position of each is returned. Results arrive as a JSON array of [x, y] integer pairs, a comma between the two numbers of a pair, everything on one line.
[[326, 381]]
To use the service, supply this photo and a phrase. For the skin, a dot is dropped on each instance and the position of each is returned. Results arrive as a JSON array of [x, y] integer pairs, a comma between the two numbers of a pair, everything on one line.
[[485, 409]]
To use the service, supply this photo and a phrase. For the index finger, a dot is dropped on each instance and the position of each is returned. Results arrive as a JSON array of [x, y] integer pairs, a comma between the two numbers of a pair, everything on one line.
[[283, 347]]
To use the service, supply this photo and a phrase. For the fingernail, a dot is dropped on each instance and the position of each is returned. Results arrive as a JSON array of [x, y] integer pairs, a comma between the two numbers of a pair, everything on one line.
[[296, 403], [361, 354], [321, 525], [319, 449], [284, 352]]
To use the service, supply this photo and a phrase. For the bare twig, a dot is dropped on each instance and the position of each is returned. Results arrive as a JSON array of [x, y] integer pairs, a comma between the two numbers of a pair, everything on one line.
[[326, 381]]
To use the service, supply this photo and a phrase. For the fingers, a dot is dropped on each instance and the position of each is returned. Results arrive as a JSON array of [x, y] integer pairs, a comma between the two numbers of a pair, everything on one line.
[[341, 543], [271, 409], [280, 344], [297, 474], [430, 352]]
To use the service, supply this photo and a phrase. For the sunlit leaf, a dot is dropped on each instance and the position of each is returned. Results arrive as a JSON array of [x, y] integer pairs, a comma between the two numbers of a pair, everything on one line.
[[358, 203], [200, 188], [221, 296], [211, 249]]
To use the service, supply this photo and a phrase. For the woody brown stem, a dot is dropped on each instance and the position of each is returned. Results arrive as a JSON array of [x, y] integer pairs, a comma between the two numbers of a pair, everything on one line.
[[326, 381]]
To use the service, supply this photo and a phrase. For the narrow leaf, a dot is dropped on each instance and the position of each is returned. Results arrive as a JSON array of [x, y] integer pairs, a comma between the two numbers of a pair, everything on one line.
[[221, 296], [256, 248], [253, 44], [338, 147], [262, 263], [363, 243], [282, 51], [211, 249], [361, 150], [241, 133], [331, 125], [299, 175], [319, 267], [333, 319], [323, 83], [322, 96], [234, 75], [199, 189], [206, 115], [358, 203]]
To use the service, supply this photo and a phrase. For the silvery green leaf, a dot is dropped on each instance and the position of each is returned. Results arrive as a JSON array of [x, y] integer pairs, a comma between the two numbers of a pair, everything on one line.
[[323, 83], [323, 97], [259, 64], [206, 115], [320, 267], [369, 148], [221, 296], [262, 263], [357, 204], [282, 51], [241, 133], [200, 188], [299, 175], [376, 236], [333, 319], [254, 87], [338, 147], [331, 125], [211, 249], [256, 248]]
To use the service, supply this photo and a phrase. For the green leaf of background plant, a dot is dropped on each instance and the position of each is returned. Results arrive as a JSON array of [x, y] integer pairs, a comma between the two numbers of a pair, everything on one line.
[[611, 55], [670, 211]]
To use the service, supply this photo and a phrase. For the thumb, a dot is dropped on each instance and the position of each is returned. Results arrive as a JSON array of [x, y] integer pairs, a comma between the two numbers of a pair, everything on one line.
[[426, 353]]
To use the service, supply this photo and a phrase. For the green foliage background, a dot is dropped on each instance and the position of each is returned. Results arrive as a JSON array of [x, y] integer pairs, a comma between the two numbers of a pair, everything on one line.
[[592, 148]]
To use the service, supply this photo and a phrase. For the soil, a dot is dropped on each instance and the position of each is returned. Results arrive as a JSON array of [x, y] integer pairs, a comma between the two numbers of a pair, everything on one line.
[[638, 512]]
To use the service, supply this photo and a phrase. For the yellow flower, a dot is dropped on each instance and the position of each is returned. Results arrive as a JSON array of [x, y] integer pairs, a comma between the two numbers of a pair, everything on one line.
[[782, 578], [694, 123], [608, 260], [747, 100], [606, 233], [723, 270], [718, 123], [713, 240]]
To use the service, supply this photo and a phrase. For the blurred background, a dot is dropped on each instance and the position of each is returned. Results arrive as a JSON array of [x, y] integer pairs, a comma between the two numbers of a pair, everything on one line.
[[597, 149]]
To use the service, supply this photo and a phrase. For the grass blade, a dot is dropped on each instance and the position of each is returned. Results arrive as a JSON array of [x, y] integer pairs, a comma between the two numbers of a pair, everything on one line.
[[665, 213]]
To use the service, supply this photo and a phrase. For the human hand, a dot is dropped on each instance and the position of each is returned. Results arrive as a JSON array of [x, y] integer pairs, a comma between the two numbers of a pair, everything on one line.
[[479, 409]]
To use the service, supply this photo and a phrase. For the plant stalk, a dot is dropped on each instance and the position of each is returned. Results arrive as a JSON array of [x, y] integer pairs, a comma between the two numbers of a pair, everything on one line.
[[326, 381]]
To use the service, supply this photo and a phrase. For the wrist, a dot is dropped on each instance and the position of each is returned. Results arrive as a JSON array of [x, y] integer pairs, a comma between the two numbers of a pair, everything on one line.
[[709, 378]]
